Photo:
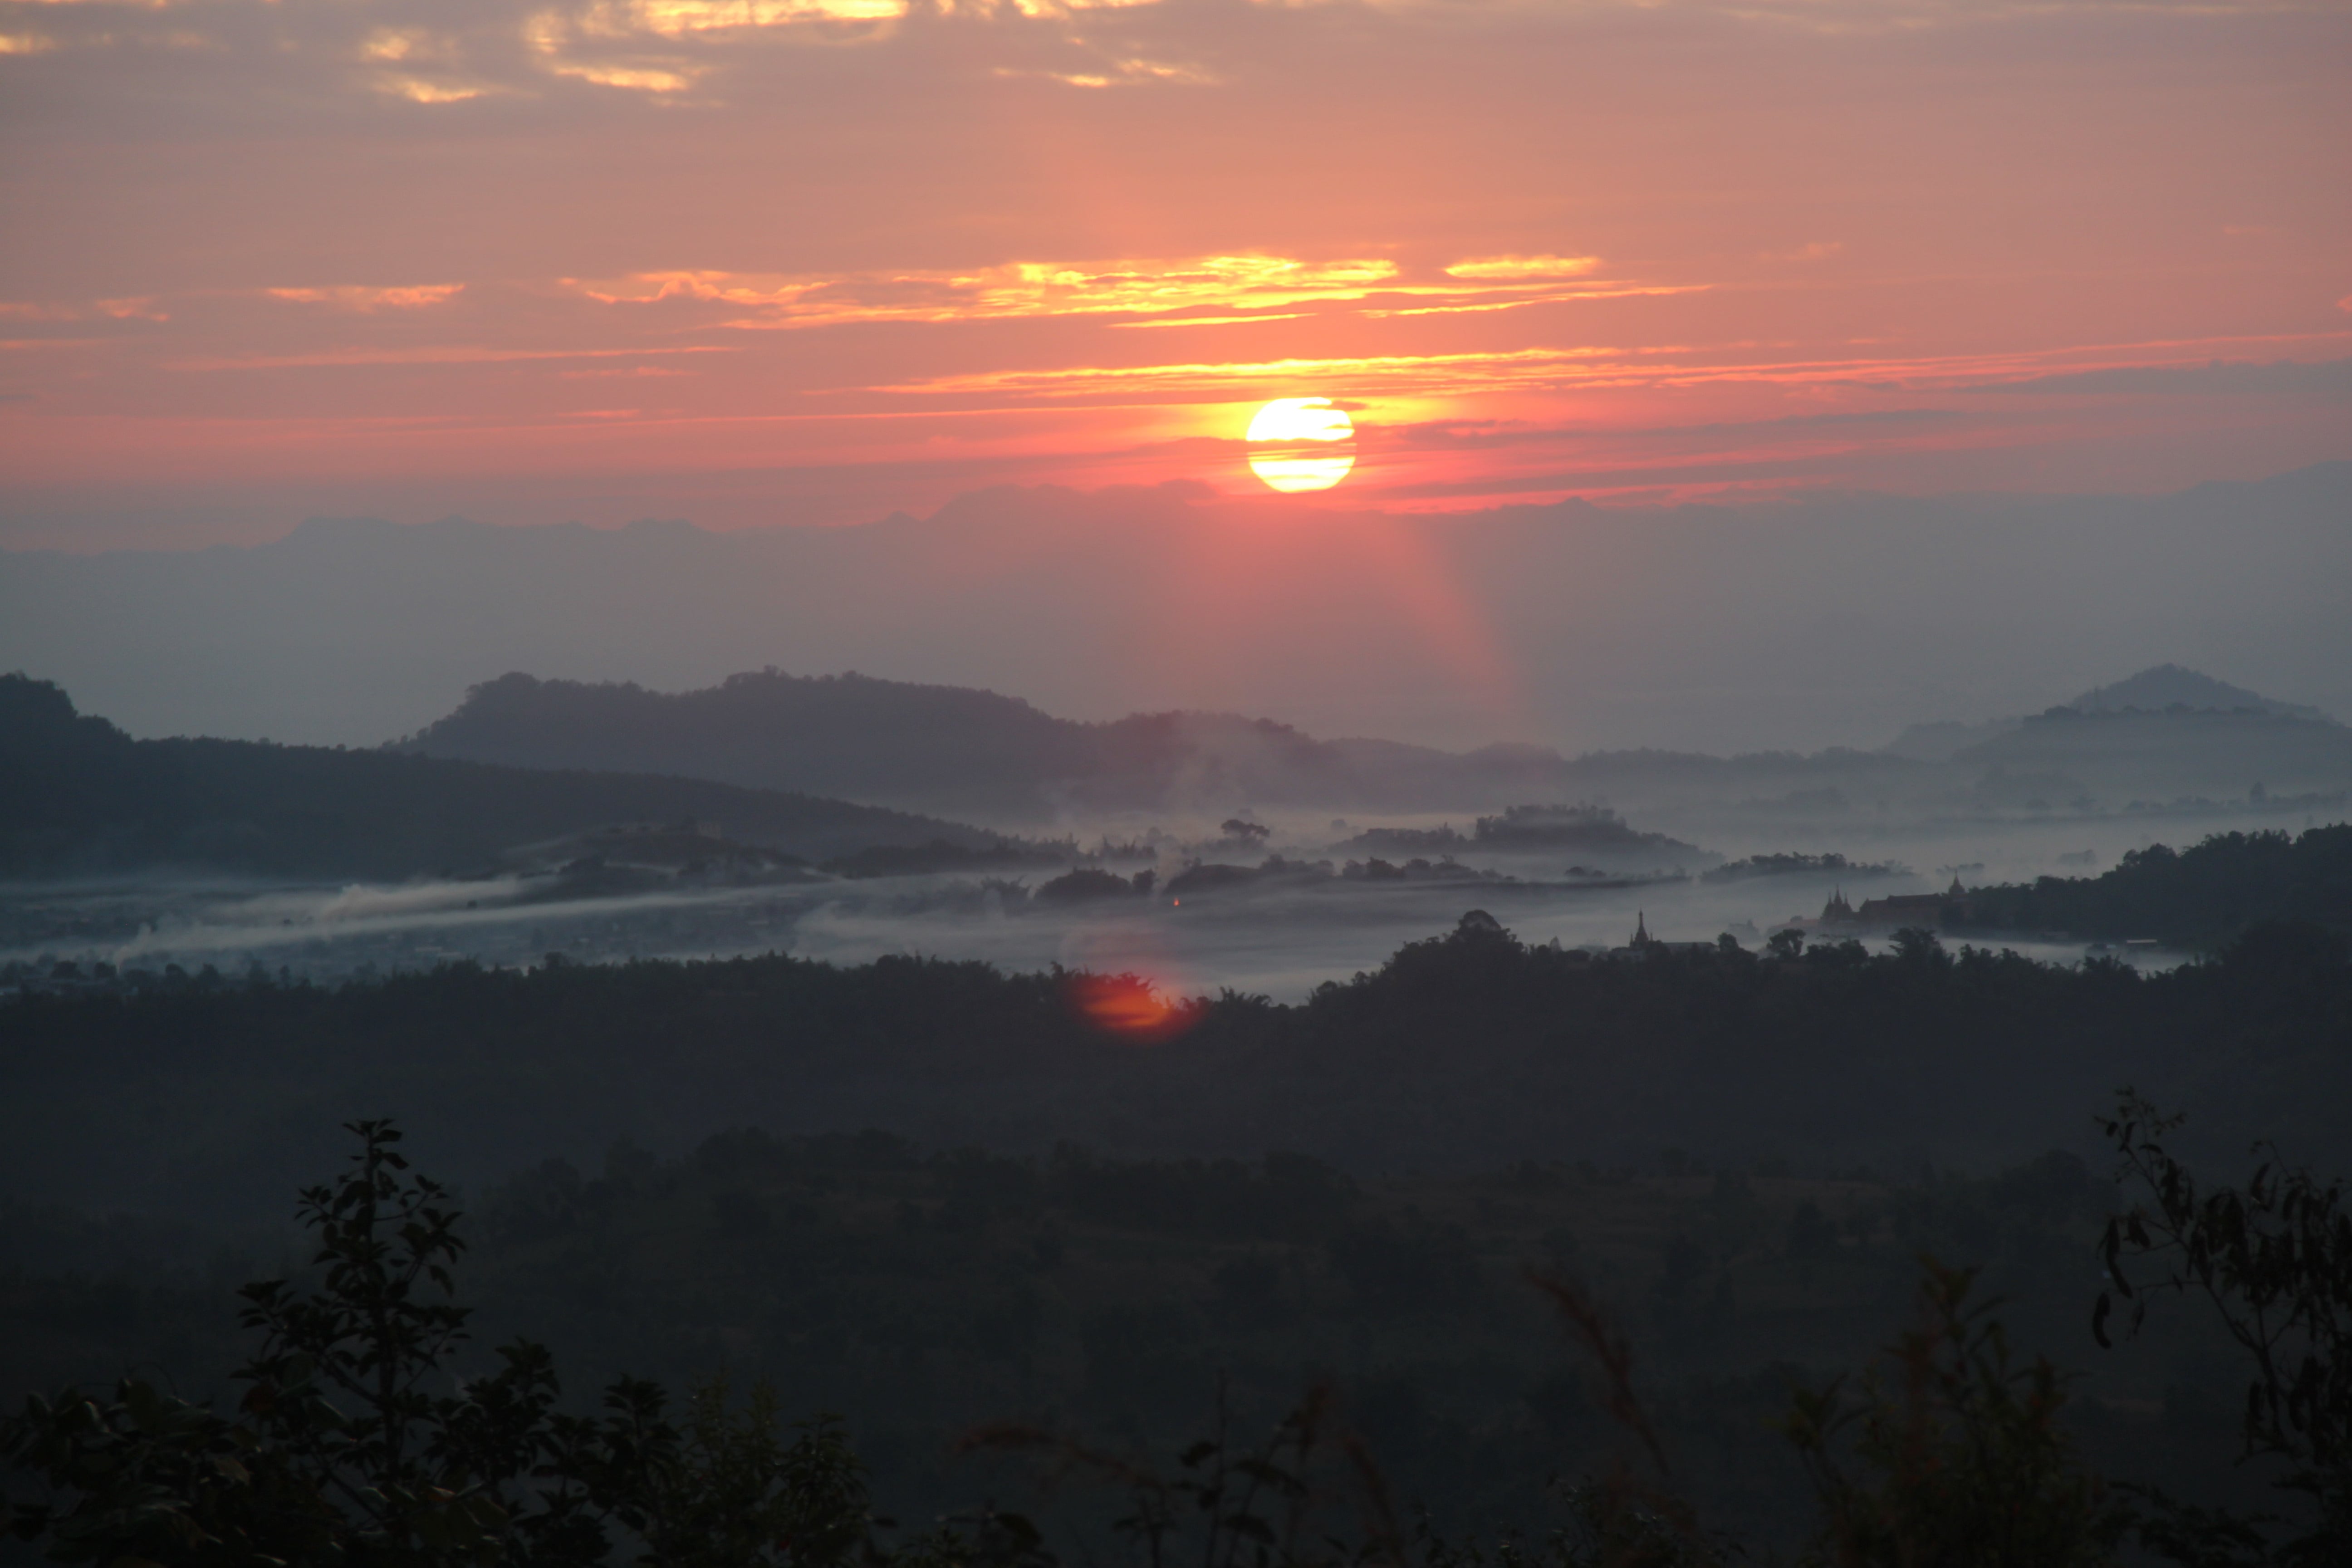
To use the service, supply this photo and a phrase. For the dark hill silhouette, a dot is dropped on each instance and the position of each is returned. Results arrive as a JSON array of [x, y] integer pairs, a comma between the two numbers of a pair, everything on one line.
[[2168, 686], [78, 795], [846, 735], [957, 748], [967, 751], [2200, 897]]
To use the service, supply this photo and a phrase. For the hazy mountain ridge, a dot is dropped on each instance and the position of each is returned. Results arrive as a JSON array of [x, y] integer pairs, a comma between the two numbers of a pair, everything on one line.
[[967, 752], [2165, 731], [912, 743], [2118, 755], [78, 795], [843, 734], [2161, 689], [1834, 620], [2168, 686]]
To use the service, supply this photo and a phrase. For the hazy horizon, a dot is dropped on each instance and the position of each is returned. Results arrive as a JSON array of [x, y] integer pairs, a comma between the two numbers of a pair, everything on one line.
[[1791, 624]]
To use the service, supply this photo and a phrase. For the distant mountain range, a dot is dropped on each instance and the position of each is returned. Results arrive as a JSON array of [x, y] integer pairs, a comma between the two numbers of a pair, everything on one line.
[[973, 754], [79, 796], [954, 748], [1812, 622], [978, 754], [761, 761]]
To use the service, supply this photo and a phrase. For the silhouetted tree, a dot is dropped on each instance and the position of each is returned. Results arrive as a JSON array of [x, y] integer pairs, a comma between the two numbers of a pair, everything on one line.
[[1946, 1456], [354, 1444], [2274, 1260]]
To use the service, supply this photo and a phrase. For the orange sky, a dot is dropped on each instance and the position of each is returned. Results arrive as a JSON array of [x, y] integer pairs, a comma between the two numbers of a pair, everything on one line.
[[754, 261]]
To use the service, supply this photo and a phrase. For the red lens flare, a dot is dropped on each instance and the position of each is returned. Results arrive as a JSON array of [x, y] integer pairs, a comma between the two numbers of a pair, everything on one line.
[[1129, 1007]]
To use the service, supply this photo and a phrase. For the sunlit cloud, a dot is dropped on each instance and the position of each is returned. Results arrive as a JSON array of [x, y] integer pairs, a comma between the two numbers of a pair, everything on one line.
[[1038, 10], [418, 90], [1122, 73], [677, 18], [1475, 307], [575, 41], [1515, 367], [1218, 289], [134, 308], [398, 44], [1110, 70], [368, 299], [1019, 289], [549, 36], [1215, 321], [443, 354], [1512, 268], [1539, 370], [400, 54], [632, 79]]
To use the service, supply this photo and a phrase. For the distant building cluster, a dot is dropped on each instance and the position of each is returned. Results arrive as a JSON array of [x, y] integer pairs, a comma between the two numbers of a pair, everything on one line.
[[1946, 911], [1642, 944]]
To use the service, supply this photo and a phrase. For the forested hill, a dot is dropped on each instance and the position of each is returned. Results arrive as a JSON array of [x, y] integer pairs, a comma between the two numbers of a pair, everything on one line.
[[2194, 898], [846, 734], [78, 795], [1461, 1052], [955, 748]]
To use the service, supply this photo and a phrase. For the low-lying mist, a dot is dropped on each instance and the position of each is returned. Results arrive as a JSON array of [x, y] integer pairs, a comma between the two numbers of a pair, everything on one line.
[[1275, 916]]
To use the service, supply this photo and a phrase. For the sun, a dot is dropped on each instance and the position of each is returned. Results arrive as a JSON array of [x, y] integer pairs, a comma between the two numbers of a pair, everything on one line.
[[1301, 443]]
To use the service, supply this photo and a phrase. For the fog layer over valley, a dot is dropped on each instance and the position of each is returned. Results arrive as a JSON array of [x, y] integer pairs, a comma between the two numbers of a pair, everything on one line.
[[235, 855]]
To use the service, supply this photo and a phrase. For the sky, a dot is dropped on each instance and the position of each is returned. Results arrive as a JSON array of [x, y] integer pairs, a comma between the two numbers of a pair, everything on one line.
[[751, 262]]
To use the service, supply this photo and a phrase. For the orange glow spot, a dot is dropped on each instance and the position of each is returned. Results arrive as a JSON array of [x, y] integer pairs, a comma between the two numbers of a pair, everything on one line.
[[1301, 443], [1129, 1007]]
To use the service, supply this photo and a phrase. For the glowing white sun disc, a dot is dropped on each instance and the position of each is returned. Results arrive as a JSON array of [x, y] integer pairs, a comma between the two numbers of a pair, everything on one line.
[[1301, 443]]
